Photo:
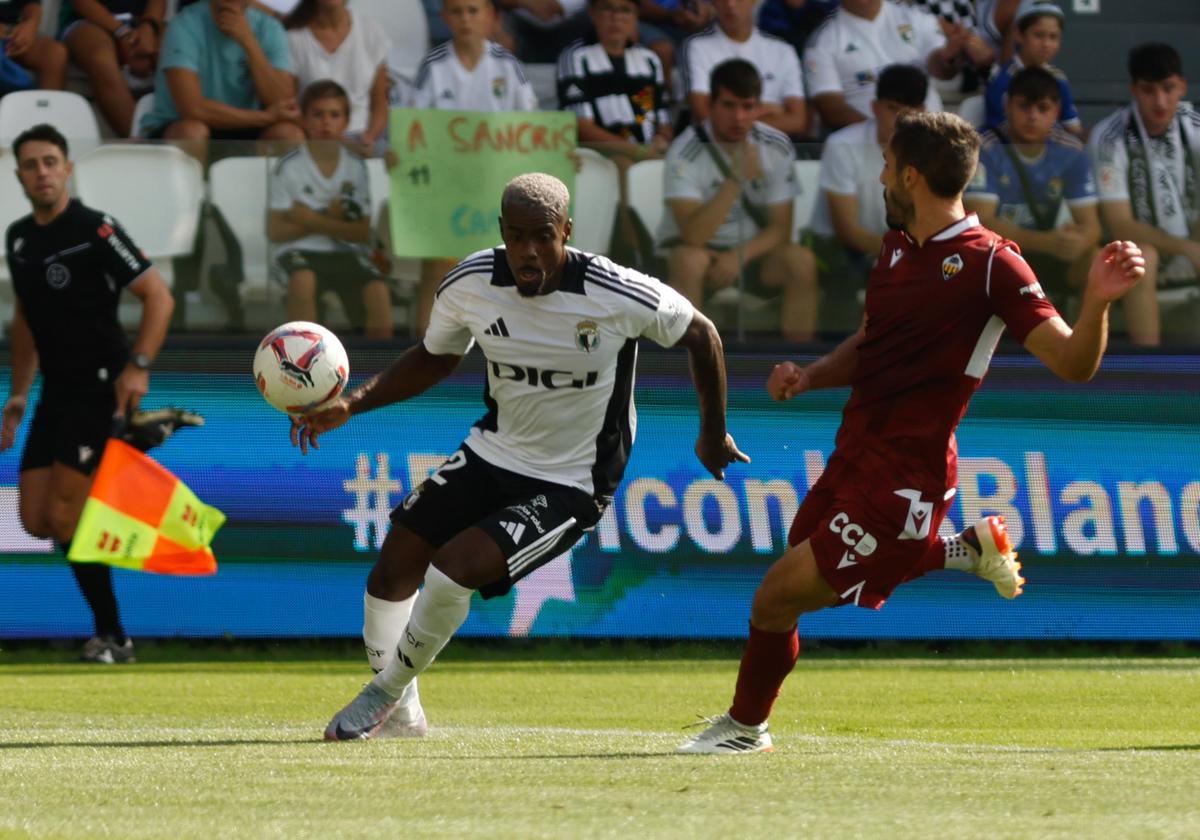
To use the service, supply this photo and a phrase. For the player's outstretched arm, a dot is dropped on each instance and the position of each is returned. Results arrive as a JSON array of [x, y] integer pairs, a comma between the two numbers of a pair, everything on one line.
[[1074, 353], [714, 447], [413, 373], [833, 370]]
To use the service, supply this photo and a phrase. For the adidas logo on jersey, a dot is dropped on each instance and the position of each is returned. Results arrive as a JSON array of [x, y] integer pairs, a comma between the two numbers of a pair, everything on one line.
[[497, 329], [447, 94], [514, 530], [851, 47], [574, 90]]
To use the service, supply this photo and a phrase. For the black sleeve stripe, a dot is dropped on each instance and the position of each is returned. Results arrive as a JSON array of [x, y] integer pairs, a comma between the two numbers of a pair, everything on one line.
[[611, 272], [623, 291], [639, 291], [432, 57], [477, 265], [503, 54]]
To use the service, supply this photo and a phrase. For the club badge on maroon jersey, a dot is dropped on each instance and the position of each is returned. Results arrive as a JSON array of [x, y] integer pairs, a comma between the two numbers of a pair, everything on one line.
[[951, 266]]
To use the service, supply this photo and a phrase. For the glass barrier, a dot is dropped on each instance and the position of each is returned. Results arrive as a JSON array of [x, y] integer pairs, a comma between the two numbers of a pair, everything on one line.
[[249, 236]]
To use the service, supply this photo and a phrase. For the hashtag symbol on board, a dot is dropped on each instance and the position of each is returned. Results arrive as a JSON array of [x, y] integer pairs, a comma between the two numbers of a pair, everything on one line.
[[372, 500]]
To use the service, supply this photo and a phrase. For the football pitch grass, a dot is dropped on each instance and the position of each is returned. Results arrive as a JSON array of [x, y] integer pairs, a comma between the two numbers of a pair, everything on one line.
[[567, 742]]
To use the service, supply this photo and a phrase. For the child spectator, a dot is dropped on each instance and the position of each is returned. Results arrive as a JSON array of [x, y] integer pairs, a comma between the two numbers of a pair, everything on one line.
[[21, 44], [469, 73], [1029, 168], [328, 42], [1039, 29], [320, 211], [115, 42]]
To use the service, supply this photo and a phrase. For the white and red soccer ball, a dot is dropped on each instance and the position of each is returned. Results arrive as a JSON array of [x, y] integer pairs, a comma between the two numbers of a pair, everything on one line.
[[300, 367]]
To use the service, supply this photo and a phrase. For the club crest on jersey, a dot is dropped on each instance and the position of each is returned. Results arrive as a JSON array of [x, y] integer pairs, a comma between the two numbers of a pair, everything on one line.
[[499, 87], [58, 276], [587, 336], [906, 32], [951, 266]]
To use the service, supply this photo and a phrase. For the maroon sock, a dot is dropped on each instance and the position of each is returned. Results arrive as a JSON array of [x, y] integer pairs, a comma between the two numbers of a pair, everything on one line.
[[766, 662]]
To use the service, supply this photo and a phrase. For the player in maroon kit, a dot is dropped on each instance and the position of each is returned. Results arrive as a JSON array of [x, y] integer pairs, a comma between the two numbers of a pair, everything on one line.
[[941, 292]]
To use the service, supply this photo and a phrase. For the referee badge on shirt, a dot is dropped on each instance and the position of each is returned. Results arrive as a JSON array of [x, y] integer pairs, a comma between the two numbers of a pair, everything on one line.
[[906, 32], [499, 87], [587, 336], [951, 266], [58, 276]]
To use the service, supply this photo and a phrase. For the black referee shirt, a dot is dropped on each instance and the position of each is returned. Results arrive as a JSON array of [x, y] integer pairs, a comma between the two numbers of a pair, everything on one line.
[[68, 276], [622, 94]]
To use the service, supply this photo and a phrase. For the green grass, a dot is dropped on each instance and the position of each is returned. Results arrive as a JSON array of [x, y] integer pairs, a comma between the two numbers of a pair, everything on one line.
[[530, 746]]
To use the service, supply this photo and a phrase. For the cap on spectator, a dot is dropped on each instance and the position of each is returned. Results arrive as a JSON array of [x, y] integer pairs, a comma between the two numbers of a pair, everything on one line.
[[1029, 8]]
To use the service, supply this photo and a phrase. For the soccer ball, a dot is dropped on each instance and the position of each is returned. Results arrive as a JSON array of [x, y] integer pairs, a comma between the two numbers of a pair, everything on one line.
[[300, 367]]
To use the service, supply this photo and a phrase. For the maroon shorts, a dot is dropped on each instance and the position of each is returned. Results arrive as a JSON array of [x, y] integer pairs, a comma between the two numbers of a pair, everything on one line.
[[869, 533]]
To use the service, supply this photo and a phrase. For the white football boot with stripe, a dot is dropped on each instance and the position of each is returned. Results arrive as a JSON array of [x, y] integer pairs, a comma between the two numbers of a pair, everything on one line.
[[996, 560], [408, 718], [725, 736]]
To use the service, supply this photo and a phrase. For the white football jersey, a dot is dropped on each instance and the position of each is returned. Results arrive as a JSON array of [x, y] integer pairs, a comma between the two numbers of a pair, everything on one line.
[[297, 178], [846, 53], [560, 367], [774, 58], [497, 83], [850, 165]]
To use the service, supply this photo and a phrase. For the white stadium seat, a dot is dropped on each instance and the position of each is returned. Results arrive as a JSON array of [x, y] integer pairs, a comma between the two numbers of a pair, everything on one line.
[[597, 193], [69, 112], [155, 192], [808, 190], [644, 191], [143, 106], [237, 187], [404, 24], [973, 110]]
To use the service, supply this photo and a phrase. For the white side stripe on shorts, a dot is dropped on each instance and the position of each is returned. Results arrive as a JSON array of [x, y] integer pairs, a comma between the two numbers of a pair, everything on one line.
[[537, 548]]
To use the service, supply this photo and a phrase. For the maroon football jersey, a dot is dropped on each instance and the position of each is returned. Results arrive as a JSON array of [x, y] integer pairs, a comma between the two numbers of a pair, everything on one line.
[[935, 313]]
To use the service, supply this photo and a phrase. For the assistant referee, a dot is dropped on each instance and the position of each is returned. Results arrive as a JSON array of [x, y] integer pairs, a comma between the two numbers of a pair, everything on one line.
[[69, 264]]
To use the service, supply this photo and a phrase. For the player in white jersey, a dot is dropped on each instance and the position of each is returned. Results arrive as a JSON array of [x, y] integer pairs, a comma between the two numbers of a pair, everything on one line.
[[558, 328]]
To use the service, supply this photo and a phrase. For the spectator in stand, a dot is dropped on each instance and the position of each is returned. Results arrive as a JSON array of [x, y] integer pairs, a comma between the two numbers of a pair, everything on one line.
[[957, 19], [20, 42], [328, 42], [224, 74], [470, 73], [321, 211], [1147, 158], [794, 20], [997, 24], [116, 43], [1039, 26], [617, 90], [673, 20], [544, 28], [439, 32], [615, 87], [847, 52], [1028, 168], [734, 36], [729, 187], [850, 218]]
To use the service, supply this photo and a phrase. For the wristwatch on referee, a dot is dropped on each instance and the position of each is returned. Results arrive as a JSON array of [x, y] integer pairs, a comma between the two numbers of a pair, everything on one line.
[[141, 361]]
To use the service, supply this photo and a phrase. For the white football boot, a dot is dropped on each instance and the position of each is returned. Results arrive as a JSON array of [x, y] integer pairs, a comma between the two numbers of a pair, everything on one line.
[[408, 719], [363, 717], [725, 736], [996, 560]]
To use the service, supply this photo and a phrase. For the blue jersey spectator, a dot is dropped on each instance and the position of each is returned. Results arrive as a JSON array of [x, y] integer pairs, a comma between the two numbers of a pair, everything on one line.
[[1039, 38]]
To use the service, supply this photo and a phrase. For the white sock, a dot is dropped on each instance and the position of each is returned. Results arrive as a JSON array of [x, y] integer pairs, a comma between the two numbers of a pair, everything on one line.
[[439, 612], [959, 555], [383, 625]]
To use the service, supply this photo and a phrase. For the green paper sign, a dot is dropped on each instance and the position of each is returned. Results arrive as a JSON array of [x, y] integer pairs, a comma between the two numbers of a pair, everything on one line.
[[453, 165]]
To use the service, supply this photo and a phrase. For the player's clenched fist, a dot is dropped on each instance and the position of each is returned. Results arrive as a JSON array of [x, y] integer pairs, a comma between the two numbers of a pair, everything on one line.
[[305, 428], [786, 381]]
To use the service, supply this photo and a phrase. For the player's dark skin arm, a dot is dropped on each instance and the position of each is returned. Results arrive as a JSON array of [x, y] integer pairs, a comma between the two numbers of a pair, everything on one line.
[[833, 370], [412, 374], [706, 358]]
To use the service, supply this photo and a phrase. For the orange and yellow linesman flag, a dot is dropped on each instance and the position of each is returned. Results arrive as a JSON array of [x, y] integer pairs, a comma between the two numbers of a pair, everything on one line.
[[140, 516]]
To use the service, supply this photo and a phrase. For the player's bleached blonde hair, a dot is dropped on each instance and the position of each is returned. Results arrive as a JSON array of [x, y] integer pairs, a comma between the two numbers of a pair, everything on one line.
[[536, 191]]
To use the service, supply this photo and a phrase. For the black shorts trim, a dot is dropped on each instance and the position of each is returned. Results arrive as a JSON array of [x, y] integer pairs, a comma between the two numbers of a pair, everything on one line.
[[532, 521]]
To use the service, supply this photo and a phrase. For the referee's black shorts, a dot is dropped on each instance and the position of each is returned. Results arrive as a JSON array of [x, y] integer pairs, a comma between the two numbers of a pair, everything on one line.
[[531, 520], [71, 425]]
